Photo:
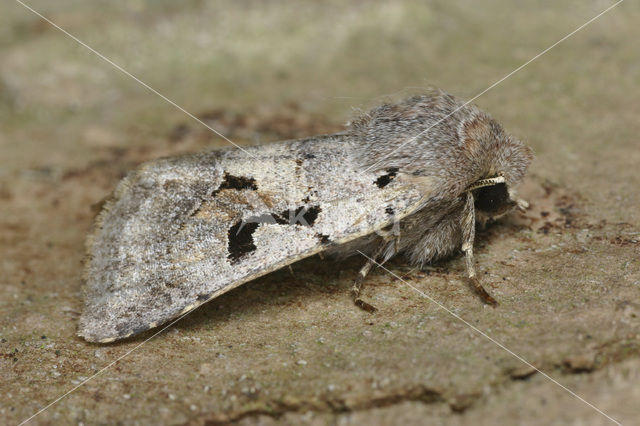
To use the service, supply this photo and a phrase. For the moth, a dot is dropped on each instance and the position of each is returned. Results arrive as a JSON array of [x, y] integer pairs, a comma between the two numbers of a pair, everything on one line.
[[410, 178]]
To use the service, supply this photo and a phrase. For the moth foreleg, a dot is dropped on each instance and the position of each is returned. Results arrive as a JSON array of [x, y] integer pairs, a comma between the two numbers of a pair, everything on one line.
[[468, 235], [522, 205], [362, 274]]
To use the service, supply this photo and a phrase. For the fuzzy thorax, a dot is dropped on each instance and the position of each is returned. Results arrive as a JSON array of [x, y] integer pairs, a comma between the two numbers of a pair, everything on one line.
[[439, 138]]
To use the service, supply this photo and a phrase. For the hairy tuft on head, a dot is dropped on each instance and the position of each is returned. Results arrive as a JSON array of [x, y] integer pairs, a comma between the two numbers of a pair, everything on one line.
[[437, 135]]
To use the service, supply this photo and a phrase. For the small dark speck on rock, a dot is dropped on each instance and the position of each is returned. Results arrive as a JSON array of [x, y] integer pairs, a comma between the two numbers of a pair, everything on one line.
[[522, 373]]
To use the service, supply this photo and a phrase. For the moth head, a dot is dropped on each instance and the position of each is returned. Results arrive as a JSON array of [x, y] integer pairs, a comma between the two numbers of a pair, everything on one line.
[[493, 197], [490, 152]]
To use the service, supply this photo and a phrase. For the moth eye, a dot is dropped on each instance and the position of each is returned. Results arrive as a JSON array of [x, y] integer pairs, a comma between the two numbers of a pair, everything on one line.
[[492, 199]]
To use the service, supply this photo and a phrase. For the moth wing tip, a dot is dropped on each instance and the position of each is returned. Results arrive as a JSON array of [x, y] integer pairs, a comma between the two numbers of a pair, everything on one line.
[[101, 335], [92, 336], [95, 330]]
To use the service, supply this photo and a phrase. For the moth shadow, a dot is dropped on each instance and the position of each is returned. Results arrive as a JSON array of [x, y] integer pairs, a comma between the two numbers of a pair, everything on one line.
[[503, 228], [291, 286]]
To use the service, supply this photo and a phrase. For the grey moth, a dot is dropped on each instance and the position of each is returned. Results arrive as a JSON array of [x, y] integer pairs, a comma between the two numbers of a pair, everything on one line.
[[410, 179]]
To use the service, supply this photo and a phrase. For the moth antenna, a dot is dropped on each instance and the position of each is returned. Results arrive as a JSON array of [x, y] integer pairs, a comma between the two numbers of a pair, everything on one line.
[[486, 182], [468, 235]]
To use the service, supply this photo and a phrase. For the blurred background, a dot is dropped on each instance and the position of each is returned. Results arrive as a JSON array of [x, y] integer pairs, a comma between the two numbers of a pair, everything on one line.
[[71, 125]]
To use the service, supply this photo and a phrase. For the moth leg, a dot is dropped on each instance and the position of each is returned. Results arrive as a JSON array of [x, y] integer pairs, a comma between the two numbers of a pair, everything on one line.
[[357, 286], [468, 235], [522, 205]]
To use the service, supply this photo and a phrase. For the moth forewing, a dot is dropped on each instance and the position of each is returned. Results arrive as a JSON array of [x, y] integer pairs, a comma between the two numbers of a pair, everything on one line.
[[171, 239]]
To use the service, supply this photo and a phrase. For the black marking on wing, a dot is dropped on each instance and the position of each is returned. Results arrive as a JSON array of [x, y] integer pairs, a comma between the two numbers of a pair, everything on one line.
[[241, 240], [384, 180], [390, 211], [202, 297], [324, 239], [300, 216], [241, 234], [229, 182], [236, 182]]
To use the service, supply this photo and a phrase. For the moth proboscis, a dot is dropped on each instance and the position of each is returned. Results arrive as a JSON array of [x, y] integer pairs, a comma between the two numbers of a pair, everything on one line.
[[410, 178]]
